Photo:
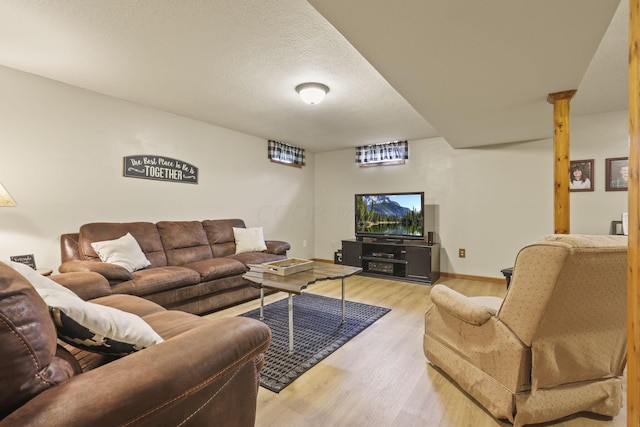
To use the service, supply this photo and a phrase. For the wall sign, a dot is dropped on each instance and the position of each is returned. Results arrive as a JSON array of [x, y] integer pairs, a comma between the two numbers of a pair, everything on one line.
[[160, 169], [25, 259]]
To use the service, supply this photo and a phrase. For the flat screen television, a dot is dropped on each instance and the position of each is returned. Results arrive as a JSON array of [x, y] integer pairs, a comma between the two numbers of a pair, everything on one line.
[[390, 215]]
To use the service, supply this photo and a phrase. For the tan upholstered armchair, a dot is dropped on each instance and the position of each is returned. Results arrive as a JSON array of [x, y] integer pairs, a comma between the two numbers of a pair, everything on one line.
[[556, 344]]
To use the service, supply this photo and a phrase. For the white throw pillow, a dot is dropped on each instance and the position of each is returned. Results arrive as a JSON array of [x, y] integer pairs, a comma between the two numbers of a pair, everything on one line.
[[124, 252], [249, 240], [89, 326]]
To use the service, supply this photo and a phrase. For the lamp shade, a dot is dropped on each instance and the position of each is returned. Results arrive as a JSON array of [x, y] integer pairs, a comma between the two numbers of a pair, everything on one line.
[[5, 198], [312, 93]]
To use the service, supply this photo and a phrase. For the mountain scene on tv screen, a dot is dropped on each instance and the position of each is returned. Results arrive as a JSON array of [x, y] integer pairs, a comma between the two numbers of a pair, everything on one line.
[[381, 215]]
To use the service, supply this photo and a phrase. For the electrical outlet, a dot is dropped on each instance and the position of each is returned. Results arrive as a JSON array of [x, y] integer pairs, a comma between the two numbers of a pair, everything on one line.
[[462, 253], [304, 243]]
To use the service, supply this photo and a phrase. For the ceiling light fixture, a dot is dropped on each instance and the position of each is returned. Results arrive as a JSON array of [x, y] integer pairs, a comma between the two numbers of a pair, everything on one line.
[[312, 93]]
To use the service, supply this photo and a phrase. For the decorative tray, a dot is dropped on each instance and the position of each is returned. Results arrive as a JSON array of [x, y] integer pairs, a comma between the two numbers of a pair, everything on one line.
[[288, 266]]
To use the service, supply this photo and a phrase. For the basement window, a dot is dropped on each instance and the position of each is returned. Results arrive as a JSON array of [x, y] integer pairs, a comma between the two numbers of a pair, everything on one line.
[[388, 153], [279, 152]]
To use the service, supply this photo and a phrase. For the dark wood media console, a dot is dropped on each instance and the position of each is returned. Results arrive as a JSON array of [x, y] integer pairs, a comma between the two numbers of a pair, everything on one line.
[[408, 260]]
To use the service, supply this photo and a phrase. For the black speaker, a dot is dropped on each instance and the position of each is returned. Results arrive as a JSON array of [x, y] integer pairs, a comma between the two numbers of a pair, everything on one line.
[[337, 257], [430, 238]]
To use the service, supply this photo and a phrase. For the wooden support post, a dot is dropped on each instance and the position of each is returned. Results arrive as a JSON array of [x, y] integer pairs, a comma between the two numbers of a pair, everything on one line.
[[561, 119], [633, 286]]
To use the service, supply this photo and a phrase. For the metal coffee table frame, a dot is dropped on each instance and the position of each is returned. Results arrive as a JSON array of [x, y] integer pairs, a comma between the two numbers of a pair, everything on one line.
[[295, 283]]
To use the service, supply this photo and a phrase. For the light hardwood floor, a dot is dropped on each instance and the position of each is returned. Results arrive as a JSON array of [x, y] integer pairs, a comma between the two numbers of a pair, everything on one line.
[[381, 377]]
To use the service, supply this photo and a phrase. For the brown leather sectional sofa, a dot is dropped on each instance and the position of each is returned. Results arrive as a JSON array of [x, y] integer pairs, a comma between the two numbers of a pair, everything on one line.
[[194, 267], [204, 373]]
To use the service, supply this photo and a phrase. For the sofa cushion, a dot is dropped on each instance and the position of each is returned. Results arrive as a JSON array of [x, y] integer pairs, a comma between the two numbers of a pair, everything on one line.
[[27, 343], [167, 323], [171, 323], [152, 280], [223, 249], [86, 285], [131, 304], [214, 268], [249, 239], [89, 326], [184, 241], [123, 251], [145, 233], [256, 257], [111, 272], [221, 230]]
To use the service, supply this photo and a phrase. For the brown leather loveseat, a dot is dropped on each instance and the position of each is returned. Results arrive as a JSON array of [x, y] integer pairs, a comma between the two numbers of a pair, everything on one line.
[[194, 266], [201, 372]]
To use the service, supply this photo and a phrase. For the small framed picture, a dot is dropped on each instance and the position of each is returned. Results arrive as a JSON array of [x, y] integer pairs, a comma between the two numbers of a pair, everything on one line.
[[581, 175], [617, 174], [25, 259]]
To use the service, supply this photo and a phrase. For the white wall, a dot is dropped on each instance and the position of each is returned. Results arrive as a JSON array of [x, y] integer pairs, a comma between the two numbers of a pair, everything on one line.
[[62, 150], [62, 153], [598, 137], [490, 200]]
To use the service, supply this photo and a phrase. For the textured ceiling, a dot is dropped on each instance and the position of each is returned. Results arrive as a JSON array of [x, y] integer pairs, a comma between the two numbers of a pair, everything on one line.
[[479, 74]]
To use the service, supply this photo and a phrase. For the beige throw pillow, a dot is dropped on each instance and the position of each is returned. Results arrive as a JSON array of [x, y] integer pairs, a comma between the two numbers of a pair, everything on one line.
[[249, 240], [92, 327], [124, 252]]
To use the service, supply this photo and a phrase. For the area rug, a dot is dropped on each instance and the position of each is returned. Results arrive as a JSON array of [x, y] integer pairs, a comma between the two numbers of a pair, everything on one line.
[[317, 334]]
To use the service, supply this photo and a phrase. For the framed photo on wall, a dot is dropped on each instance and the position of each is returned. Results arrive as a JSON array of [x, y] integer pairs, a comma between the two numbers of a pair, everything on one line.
[[617, 174], [581, 175]]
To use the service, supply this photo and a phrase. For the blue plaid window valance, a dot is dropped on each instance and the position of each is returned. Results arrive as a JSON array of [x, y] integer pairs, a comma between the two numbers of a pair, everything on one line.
[[285, 153], [388, 152]]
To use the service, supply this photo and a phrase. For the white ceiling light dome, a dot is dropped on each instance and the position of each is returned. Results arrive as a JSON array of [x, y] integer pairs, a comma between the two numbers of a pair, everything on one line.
[[312, 93]]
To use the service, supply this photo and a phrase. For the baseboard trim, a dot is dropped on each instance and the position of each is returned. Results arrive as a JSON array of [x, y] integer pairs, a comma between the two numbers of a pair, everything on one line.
[[472, 277], [443, 274]]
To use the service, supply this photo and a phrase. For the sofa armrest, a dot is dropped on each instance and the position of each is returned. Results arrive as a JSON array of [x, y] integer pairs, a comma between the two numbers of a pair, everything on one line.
[[209, 373], [461, 306], [111, 272], [87, 285], [69, 246], [277, 247]]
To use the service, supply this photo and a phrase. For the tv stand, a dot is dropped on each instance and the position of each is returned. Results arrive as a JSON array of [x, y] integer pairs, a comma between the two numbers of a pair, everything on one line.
[[406, 260]]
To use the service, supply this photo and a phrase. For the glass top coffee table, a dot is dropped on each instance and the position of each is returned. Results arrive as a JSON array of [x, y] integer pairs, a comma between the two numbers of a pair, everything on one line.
[[295, 283]]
